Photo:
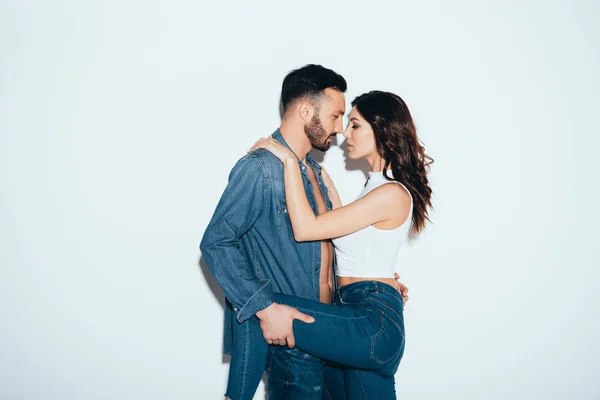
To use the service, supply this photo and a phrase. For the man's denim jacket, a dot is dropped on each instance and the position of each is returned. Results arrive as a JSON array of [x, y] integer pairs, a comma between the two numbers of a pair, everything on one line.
[[249, 244]]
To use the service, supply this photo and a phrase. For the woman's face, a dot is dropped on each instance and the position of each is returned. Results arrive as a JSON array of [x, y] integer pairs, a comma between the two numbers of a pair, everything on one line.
[[359, 137]]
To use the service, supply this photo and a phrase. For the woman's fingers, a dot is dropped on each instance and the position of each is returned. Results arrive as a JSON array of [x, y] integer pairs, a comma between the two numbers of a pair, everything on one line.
[[261, 143]]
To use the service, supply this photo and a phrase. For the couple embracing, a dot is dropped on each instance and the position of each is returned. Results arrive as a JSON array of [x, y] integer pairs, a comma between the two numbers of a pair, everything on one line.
[[311, 292]]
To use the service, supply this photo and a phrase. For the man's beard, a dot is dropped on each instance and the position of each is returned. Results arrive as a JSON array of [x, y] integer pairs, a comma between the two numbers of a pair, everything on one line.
[[316, 134]]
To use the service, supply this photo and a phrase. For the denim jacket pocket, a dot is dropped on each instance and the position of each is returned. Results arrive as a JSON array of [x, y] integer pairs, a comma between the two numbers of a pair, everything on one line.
[[284, 225], [388, 342]]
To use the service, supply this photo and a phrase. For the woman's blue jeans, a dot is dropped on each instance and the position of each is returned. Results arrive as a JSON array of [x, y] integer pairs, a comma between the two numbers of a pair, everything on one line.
[[363, 330]]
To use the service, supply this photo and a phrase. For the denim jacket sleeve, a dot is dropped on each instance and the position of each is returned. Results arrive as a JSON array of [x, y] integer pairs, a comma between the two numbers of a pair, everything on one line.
[[241, 204]]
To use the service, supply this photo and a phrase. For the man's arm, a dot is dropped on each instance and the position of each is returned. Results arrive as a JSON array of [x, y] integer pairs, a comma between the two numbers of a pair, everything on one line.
[[240, 206]]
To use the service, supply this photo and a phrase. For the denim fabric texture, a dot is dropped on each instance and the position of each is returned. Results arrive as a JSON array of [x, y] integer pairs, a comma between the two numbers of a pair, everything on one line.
[[250, 250], [364, 331]]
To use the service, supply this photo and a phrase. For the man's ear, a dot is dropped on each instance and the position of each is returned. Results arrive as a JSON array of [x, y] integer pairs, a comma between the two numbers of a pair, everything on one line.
[[306, 111]]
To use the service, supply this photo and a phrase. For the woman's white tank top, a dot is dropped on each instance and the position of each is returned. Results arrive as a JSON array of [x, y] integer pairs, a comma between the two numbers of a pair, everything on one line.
[[372, 252]]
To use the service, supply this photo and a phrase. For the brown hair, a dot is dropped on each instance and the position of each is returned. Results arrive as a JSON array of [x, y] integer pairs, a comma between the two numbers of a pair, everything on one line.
[[397, 142]]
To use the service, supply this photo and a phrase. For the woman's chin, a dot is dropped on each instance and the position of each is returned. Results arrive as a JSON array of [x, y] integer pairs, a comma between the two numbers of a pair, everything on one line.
[[352, 156]]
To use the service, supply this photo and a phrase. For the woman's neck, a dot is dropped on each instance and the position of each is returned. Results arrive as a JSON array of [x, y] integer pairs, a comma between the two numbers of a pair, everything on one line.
[[376, 163]]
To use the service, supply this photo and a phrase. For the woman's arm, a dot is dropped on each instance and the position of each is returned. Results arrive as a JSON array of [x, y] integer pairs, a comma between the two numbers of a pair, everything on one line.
[[379, 205], [334, 196]]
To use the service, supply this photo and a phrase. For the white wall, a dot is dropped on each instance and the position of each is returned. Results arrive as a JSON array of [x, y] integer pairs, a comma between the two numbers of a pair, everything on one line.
[[119, 123]]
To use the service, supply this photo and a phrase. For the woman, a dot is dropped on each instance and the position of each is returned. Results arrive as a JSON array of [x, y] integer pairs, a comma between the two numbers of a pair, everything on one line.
[[364, 330]]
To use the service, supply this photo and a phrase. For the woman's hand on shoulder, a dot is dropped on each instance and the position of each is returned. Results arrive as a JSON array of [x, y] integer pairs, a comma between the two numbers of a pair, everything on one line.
[[280, 151]]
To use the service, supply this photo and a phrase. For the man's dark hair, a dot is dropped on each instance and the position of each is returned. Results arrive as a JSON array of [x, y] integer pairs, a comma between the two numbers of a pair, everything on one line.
[[309, 81]]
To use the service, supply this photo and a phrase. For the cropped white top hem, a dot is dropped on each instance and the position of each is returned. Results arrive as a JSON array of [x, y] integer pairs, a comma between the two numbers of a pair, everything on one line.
[[371, 252]]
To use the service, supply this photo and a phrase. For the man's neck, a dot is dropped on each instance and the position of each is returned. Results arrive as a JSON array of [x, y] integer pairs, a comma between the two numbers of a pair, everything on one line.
[[296, 138]]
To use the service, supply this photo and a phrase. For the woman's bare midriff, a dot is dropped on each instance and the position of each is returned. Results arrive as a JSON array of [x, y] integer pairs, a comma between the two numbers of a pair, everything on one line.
[[347, 280]]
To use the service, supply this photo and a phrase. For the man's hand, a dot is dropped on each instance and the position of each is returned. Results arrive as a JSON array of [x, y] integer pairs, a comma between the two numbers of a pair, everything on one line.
[[276, 324], [403, 290]]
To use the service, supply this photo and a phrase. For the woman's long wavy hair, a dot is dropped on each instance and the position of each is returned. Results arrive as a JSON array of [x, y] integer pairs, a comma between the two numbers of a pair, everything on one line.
[[397, 143]]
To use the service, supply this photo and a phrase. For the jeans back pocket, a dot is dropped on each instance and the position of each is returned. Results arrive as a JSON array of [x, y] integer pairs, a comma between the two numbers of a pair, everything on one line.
[[389, 341]]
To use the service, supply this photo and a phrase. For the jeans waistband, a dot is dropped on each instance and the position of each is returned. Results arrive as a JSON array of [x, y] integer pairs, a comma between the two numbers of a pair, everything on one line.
[[366, 288]]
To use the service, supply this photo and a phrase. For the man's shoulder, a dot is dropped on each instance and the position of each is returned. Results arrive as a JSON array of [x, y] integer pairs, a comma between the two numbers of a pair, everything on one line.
[[263, 155], [269, 163]]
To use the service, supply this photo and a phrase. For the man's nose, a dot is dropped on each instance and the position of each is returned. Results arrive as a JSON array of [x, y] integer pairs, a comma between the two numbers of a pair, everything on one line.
[[346, 133]]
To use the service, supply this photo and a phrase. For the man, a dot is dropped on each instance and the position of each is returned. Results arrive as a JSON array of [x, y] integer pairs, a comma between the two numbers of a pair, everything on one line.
[[249, 245]]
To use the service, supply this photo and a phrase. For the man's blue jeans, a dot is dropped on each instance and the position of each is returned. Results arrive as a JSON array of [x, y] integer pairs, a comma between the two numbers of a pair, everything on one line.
[[363, 331], [293, 374]]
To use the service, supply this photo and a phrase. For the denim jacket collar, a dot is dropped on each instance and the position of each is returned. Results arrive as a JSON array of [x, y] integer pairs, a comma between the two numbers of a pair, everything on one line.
[[309, 159]]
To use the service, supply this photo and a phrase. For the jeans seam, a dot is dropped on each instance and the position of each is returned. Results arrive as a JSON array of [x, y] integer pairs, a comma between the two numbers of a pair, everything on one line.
[[287, 376], [387, 306], [312, 312], [246, 352], [270, 363], [372, 353], [372, 350], [390, 318], [326, 391], [362, 388], [397, 326]]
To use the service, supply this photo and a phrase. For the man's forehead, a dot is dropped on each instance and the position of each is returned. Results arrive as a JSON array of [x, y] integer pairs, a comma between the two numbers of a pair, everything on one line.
[[335, 98]]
